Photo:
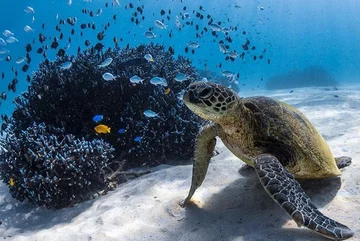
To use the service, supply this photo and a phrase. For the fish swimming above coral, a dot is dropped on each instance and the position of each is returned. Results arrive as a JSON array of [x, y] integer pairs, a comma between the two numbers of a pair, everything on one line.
[[102, 129]]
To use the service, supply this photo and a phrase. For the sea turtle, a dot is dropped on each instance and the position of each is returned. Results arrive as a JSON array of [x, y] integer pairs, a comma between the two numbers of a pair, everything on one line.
[[274, 138]]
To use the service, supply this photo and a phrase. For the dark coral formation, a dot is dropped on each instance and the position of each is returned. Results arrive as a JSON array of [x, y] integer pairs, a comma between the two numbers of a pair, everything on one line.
[[313, 76], [70, 98], [50, 168], [63, 160]]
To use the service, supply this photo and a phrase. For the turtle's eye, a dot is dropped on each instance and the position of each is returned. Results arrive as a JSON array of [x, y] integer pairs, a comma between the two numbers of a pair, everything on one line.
[[205, 92]]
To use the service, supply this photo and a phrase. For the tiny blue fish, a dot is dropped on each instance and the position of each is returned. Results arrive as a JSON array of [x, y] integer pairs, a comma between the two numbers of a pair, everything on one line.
[[149, 34], [137, 139], [108, 76], [65, 65], [136, 79], [105, 63], [121, 131], [158, 81], [98, 118], [149, 58], [180, 77], [150, 114]]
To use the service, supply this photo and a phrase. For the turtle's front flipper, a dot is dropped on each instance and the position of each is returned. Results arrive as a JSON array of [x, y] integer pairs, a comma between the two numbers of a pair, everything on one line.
[[286, 192], [343, 161], [204, 147]]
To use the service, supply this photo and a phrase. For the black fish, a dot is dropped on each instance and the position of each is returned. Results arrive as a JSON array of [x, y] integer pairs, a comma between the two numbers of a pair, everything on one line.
[[100, 35], [162, 12], [87, 43], [8, 58], [42, 38], [83, 26], [28, 48], [61, 52], [25, 68], [54, 44], [99, 46]]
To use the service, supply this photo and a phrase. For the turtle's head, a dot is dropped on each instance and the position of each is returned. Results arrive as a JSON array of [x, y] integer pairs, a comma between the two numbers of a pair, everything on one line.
[[209, 100]]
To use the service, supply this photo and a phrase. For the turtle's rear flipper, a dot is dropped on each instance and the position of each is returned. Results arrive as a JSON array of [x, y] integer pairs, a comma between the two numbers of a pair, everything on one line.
[[286, 192], [343, 161]]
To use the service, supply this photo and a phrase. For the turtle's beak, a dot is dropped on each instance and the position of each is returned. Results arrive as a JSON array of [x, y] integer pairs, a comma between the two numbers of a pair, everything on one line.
[[186, 97]]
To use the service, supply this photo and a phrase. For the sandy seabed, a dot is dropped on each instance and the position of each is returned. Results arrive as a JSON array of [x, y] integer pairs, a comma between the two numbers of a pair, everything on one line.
[[230, 205]]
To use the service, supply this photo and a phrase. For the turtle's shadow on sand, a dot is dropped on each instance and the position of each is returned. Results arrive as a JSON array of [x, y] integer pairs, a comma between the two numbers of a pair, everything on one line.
[[244, 211]]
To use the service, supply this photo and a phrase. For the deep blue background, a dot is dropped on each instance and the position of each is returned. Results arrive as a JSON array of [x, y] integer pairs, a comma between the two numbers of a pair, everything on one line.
[[295, 33]]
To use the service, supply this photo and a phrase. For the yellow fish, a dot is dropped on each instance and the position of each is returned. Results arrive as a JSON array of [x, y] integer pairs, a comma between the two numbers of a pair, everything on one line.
[[102, 129], [11, 182], [167, 91]]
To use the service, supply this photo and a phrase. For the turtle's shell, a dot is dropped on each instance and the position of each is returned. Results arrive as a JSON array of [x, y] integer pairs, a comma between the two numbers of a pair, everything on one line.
[[264, 125]]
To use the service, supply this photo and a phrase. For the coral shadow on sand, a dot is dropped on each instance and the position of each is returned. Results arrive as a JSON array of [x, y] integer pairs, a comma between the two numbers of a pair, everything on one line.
[[20, 218]]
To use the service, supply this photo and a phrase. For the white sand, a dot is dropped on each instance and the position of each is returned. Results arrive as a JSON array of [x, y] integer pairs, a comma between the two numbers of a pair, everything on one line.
[[230, 205]]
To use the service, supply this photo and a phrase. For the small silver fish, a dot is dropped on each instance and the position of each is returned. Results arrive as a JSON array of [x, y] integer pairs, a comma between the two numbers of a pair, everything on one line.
[[261, 8], [115, 3], [149, 34], [20, 60], [227, 73], [150, 114], [66, 65], [158, 81], [7, 33], [226, 30], [105, 63], [29, 9], [136, 79], [99, 12], [108, 76], [159, 24], [2, 42], [28, 29], [180, 77], [69, 2], [149, 57], [233, 54], [215, 27], [12, 39], [4, 51], [222, 48], [186, 15], [177, 22], [193, 44]]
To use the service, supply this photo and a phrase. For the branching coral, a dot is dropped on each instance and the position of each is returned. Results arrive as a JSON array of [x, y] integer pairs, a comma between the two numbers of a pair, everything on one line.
[[52, 169], [70, 98]]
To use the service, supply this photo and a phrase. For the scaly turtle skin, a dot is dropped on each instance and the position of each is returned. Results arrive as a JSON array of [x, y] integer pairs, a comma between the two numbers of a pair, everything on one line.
[[274, 138]]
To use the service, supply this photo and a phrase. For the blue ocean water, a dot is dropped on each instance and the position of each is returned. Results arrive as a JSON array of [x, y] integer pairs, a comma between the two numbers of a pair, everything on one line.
[[290, 34]]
